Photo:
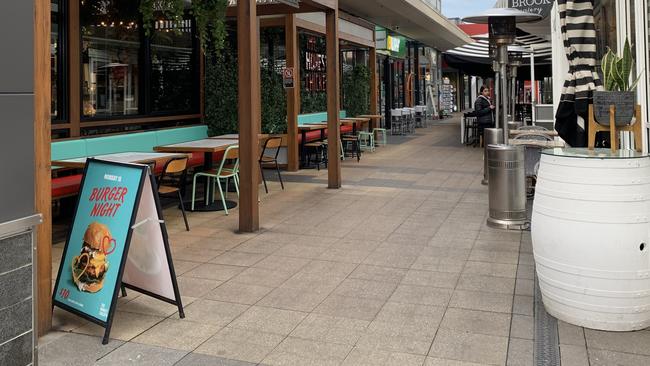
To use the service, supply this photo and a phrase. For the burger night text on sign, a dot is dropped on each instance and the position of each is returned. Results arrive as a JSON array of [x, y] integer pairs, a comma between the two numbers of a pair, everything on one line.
[[107, 199]]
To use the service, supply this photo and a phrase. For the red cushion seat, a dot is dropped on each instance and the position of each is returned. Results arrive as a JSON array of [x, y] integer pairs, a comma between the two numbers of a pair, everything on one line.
[[66, 186]]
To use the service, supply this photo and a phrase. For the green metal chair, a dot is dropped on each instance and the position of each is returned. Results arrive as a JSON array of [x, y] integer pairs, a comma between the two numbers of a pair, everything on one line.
[[224, 172], [380, 131], [367, 141]]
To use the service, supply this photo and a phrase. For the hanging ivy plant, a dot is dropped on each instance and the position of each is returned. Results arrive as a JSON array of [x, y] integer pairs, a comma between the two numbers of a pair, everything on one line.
[[209, 17]]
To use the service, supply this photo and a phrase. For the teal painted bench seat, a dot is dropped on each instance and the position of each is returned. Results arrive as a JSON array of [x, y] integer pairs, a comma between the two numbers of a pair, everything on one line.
[[316, 117], [139, 142]]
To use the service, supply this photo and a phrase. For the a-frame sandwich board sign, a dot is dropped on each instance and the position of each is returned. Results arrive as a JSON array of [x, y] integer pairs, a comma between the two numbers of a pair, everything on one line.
[[117, 239]]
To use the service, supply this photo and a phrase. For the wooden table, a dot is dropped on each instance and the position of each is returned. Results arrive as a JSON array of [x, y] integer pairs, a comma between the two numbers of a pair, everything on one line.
[[123, 157], [235, 136], [207, 147], [307, 127], [533, 132], [354, 121], [373, 118]]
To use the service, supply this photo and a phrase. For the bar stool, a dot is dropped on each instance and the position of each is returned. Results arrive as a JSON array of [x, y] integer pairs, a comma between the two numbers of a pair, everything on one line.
[[366, 141], [353, 142], [316, 149], [380, 131], [396, 121]]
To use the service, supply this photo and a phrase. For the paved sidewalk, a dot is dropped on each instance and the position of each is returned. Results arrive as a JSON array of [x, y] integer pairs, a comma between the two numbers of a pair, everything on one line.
[[396, 268]]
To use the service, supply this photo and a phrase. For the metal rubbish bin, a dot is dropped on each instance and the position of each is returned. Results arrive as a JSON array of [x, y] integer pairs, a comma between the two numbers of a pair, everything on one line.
[[507, 188], [491, 136]]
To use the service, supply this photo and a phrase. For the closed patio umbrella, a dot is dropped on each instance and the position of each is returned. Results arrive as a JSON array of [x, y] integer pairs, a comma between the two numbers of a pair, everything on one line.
[[579, 34]]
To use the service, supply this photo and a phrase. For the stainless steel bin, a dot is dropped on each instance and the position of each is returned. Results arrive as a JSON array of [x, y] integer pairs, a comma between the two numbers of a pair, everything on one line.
[[491, 136], [507, 190]]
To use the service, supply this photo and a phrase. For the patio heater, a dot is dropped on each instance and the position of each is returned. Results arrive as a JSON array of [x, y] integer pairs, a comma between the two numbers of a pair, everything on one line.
[[505, 164], [516, 58], [502, 25]]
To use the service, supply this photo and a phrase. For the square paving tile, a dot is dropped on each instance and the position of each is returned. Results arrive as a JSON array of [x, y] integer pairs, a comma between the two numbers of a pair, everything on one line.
[[365, 289], [262, 277], [293, 299], [125, 326], [429, 278], [280, 263], [240, 344], [470, 347], [299, 352], [197, 359], [520, 352], [484, 301], [196, 287], [365, 357], [238, 259], [491, 269], [350, 307], [268, 320], [213, 312], [141, 354], [423, 295], [484, 283], [218, 272], [377, 273], [240, 293], [574, 355], [64, 350], [473, 321], [607, 358], [330, 329], [177, 334], [629, 342]]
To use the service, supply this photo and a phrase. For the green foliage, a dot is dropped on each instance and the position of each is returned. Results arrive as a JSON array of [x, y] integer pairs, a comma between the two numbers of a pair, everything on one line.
[[209, 16], [274, 102], [221, 113], [356, 90], [617, 70], [221, 93], [312, 102]]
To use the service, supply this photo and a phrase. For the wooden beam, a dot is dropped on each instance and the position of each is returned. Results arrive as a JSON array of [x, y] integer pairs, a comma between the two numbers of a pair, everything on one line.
[[74, 68], [42, 188], [372, 60], [333, 101], [249, 114], [276, 9], [293, 94], [317, 28], [278, 21]]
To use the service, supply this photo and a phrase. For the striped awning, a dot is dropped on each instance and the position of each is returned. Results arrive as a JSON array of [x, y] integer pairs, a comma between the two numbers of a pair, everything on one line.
[[480, 49], [579, 33]]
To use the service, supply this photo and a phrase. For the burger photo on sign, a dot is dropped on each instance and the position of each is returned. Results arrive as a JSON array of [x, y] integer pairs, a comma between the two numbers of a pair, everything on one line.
[[90, 266]]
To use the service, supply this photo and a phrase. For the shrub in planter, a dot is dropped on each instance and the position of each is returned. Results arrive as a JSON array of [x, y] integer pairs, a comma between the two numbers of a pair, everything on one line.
[[619, 90]]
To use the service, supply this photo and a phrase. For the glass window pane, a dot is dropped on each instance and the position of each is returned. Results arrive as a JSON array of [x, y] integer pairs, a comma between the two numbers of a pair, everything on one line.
[[110, 52], [54, 59], [605, 21], [173, 81]]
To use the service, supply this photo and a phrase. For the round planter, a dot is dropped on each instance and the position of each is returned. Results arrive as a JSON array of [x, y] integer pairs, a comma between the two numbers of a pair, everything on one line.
[[590, 226], [624, 102]]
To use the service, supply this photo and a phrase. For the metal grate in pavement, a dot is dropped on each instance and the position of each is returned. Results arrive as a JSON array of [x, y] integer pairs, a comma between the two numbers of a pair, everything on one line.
[[547, 349]]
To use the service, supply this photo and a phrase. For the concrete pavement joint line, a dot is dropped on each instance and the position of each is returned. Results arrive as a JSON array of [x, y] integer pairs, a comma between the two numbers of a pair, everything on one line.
[[547, 349]]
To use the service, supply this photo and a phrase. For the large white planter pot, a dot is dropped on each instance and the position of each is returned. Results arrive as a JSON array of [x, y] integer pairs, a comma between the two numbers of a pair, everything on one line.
[[590, 232]]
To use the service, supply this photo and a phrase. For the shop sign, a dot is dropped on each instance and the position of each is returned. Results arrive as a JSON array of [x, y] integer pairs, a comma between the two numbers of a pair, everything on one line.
[[393, 43], [539, 7], [288, 78], [118, 240]]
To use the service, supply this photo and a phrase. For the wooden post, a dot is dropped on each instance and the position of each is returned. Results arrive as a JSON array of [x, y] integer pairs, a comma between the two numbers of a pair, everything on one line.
[[293, 95], [249, 113], [42, 189], [372, 60], [333, 101]]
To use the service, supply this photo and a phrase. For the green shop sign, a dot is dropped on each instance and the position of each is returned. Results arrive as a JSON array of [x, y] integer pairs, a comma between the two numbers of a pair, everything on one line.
[[392, 44]]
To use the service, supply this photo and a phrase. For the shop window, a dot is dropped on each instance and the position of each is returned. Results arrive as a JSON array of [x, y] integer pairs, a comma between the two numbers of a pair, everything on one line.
[[605, 21], [173, 65], [57, 62], [110, 38]]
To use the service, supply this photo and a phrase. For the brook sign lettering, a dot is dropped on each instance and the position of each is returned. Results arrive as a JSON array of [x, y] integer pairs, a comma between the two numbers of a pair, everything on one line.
[[540, 7]]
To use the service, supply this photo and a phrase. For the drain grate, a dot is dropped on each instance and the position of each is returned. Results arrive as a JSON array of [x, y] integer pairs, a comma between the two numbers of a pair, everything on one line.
[[547, 350]]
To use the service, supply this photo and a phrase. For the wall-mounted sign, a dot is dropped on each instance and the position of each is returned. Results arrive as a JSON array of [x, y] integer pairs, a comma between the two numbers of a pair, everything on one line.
[[393, 43], [315, 66], [539, 7], [117, 240], [288, 78]]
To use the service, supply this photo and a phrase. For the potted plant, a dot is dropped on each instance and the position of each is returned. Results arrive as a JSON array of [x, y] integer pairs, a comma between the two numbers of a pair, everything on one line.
[[618, 88]]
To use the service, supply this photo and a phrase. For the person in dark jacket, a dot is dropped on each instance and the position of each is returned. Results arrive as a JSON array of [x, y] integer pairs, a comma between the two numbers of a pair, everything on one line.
[[483, 108]]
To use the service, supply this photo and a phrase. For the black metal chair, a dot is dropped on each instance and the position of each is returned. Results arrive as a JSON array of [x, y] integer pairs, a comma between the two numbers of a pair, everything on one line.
[[269, 144]]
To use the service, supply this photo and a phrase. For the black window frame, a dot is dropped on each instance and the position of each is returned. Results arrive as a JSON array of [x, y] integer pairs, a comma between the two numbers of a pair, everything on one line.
[[62, 64]]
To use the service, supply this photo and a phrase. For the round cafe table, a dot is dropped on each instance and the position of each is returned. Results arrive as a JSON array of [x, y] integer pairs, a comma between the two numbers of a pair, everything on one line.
[[591, 235]]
